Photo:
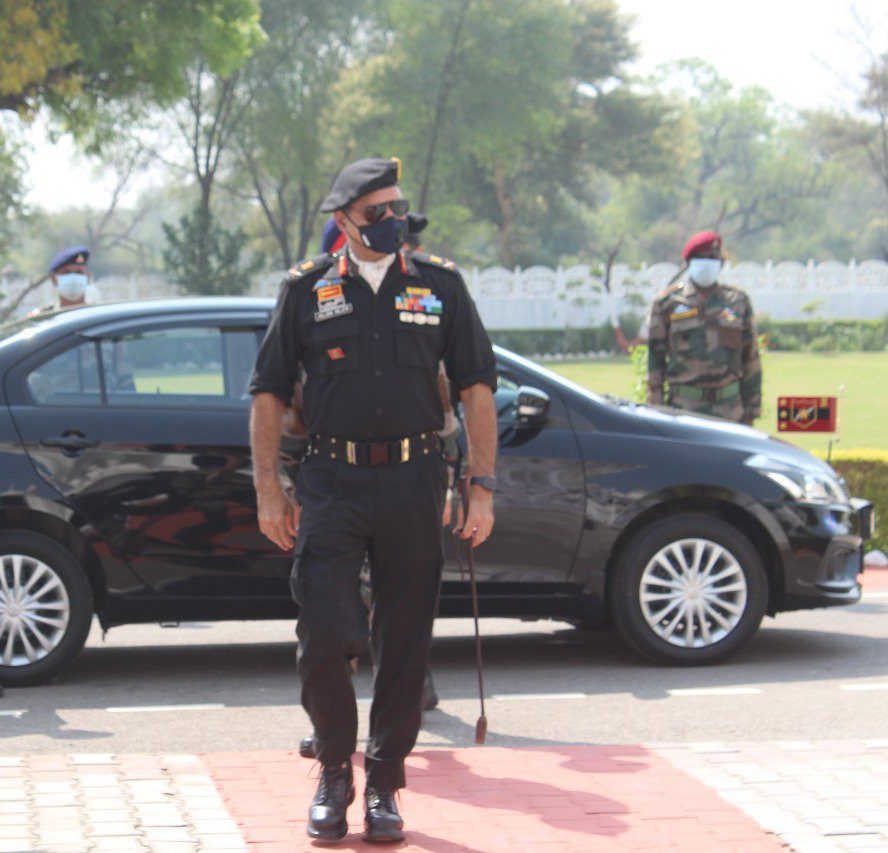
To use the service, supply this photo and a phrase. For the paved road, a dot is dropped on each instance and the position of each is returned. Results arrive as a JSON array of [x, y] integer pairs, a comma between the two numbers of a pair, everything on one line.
[[809, 675]]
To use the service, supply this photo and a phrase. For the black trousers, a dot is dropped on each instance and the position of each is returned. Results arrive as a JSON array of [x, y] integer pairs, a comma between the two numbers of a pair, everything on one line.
[[391, 514]]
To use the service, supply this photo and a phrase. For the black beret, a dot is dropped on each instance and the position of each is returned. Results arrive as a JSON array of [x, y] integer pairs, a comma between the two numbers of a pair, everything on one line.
[[416, 222], [71, 255], [360, 178]]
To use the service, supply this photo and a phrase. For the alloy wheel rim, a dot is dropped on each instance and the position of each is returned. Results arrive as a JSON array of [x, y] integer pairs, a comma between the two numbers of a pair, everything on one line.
[[693, 593], [34, 610]]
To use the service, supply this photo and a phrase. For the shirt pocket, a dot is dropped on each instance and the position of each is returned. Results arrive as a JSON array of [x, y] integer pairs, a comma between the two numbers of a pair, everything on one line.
[[334, 346], [687, 334], [417, 346], [730, 333]]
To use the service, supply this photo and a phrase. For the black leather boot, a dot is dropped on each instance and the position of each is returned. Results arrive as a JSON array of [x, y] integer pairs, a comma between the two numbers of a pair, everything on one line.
[[382, 822], [327, 819], [307, 747]]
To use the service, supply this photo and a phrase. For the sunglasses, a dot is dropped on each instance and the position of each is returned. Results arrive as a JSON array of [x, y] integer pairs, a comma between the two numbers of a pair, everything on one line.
[[374, 212]]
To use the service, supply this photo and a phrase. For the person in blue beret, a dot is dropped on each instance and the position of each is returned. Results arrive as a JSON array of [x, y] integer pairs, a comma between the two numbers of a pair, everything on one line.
[[69, 272]]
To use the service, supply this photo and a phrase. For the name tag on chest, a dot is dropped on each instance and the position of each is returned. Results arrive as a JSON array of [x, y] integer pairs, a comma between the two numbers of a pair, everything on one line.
[[687, 314]]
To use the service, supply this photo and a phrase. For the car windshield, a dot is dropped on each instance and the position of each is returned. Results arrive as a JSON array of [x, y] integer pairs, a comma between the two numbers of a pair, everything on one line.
[[558, 379]]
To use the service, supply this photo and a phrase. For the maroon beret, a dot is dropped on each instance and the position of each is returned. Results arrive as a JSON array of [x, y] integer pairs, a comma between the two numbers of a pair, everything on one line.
[[702, 242]]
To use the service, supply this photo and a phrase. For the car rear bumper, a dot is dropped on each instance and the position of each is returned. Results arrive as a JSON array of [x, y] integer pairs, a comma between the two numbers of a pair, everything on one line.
[[826, 554]]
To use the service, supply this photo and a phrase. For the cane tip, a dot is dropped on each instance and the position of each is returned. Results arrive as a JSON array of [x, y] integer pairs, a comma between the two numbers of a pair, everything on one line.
[[480, 730]]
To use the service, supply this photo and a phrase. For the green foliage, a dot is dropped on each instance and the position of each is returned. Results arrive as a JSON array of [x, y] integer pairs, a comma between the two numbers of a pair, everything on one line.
[[286, 154], [825, 335], [205, 258], [78, 57], [522, 131], [865, 471], [442, 97], [12, 193], [639, 359], [555, 341]]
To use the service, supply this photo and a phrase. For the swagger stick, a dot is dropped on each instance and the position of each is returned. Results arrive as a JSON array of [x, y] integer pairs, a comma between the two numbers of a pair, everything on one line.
[[481, 724]]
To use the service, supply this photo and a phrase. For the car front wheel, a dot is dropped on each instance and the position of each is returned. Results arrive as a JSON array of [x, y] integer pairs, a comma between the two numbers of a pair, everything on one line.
[[688, 590], [46, 608]]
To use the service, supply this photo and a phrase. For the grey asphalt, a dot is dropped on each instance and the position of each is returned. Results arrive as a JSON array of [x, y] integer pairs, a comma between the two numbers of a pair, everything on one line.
[[568, 686]]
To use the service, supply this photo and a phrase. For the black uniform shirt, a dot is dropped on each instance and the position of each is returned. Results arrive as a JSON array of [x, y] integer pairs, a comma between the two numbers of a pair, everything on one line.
[[371, 360]]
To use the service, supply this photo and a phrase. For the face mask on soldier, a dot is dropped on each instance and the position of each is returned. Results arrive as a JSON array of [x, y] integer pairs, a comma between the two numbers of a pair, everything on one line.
[[704, 271], [385, 236], [72, 285]]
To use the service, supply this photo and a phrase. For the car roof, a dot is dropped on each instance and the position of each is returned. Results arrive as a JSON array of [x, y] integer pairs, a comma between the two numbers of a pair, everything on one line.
[[136, 308], [58, 324], [55, 324]]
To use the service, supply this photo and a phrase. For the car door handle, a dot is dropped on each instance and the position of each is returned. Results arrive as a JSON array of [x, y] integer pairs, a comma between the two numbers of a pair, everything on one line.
[[70, 442]]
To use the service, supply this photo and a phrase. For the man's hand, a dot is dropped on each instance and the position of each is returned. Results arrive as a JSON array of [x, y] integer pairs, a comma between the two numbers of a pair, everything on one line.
[[278, 515], [479, 522]]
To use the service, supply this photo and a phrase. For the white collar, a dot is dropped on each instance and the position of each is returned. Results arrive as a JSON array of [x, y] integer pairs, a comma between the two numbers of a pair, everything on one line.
[[373, 272]]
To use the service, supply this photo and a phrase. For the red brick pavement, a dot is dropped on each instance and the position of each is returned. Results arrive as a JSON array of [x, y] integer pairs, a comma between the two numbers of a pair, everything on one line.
[[489, 799], [875, 579]]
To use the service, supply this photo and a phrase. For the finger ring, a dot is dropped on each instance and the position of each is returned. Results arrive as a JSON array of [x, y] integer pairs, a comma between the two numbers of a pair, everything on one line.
[[474, 530]]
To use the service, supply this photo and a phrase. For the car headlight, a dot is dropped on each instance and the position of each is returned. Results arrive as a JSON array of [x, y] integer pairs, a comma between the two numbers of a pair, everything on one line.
[[806, 484]]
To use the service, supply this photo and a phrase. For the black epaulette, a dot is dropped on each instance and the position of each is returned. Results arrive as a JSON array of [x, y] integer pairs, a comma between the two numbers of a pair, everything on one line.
[[433, 260], [319, 263]]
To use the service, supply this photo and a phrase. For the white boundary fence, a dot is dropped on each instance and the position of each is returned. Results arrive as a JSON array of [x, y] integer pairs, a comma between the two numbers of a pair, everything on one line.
[[541, 297]]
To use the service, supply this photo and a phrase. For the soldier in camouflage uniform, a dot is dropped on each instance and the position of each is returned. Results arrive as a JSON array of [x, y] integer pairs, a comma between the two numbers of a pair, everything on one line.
[[702, 341]]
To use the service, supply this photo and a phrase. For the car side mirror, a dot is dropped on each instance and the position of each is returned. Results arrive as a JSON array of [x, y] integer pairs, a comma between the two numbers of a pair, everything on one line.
[[531, 406]]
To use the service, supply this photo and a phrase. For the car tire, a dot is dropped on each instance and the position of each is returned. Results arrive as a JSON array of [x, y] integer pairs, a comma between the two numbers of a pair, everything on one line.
[[688, 590], [59, 591]]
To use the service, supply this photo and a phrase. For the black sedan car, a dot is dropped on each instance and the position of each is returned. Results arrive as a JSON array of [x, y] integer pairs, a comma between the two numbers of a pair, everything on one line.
[[126, 494]]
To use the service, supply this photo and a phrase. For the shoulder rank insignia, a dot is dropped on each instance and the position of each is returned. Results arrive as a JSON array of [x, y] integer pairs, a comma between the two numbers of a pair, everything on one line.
[[435, 260], [320, 262]]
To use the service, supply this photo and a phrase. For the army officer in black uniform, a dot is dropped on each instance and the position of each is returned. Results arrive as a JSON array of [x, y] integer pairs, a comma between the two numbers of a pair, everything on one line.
[[366, 329]]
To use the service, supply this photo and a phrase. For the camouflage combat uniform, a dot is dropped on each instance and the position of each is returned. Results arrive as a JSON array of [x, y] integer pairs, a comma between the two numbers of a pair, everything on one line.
[[703, 342]]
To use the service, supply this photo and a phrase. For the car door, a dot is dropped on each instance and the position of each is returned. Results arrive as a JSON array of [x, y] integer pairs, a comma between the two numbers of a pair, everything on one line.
[[144, 428], [540, 498]]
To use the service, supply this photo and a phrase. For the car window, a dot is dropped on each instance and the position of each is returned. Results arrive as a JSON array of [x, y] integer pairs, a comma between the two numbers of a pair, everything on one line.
[[68, 379], [181, 366]]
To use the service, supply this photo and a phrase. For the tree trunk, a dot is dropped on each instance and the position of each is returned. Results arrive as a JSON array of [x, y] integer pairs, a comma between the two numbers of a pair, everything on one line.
[[447, 72], [9, 309], [504, 200], [204, 221]]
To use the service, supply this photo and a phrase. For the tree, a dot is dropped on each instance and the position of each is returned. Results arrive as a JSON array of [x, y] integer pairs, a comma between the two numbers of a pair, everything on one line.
[[285, 154], [12, 201], [204, 257], [503, 112], [872, 129], [747, 169], [78, 57]]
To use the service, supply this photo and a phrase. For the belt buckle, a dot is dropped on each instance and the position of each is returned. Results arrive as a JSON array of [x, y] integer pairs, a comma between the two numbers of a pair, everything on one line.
[[350, 453], [405, 449]]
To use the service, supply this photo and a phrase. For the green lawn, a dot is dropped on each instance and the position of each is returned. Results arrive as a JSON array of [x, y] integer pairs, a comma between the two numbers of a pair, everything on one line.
[[179, 383], [863, 404]]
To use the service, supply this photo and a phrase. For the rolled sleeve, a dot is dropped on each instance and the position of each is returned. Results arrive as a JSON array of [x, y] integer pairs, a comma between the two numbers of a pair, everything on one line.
[[277, 362], [468, 354]]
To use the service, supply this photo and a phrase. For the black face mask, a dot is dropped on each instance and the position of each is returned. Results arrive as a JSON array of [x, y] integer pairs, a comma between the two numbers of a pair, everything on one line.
[[385, 236]]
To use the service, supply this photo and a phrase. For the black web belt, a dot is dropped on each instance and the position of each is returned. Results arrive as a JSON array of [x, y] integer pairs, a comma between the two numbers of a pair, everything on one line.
[[368, 453]]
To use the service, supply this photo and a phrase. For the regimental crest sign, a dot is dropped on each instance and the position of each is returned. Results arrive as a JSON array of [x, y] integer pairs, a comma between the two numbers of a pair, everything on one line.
[[807, 414], [331, 300]]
